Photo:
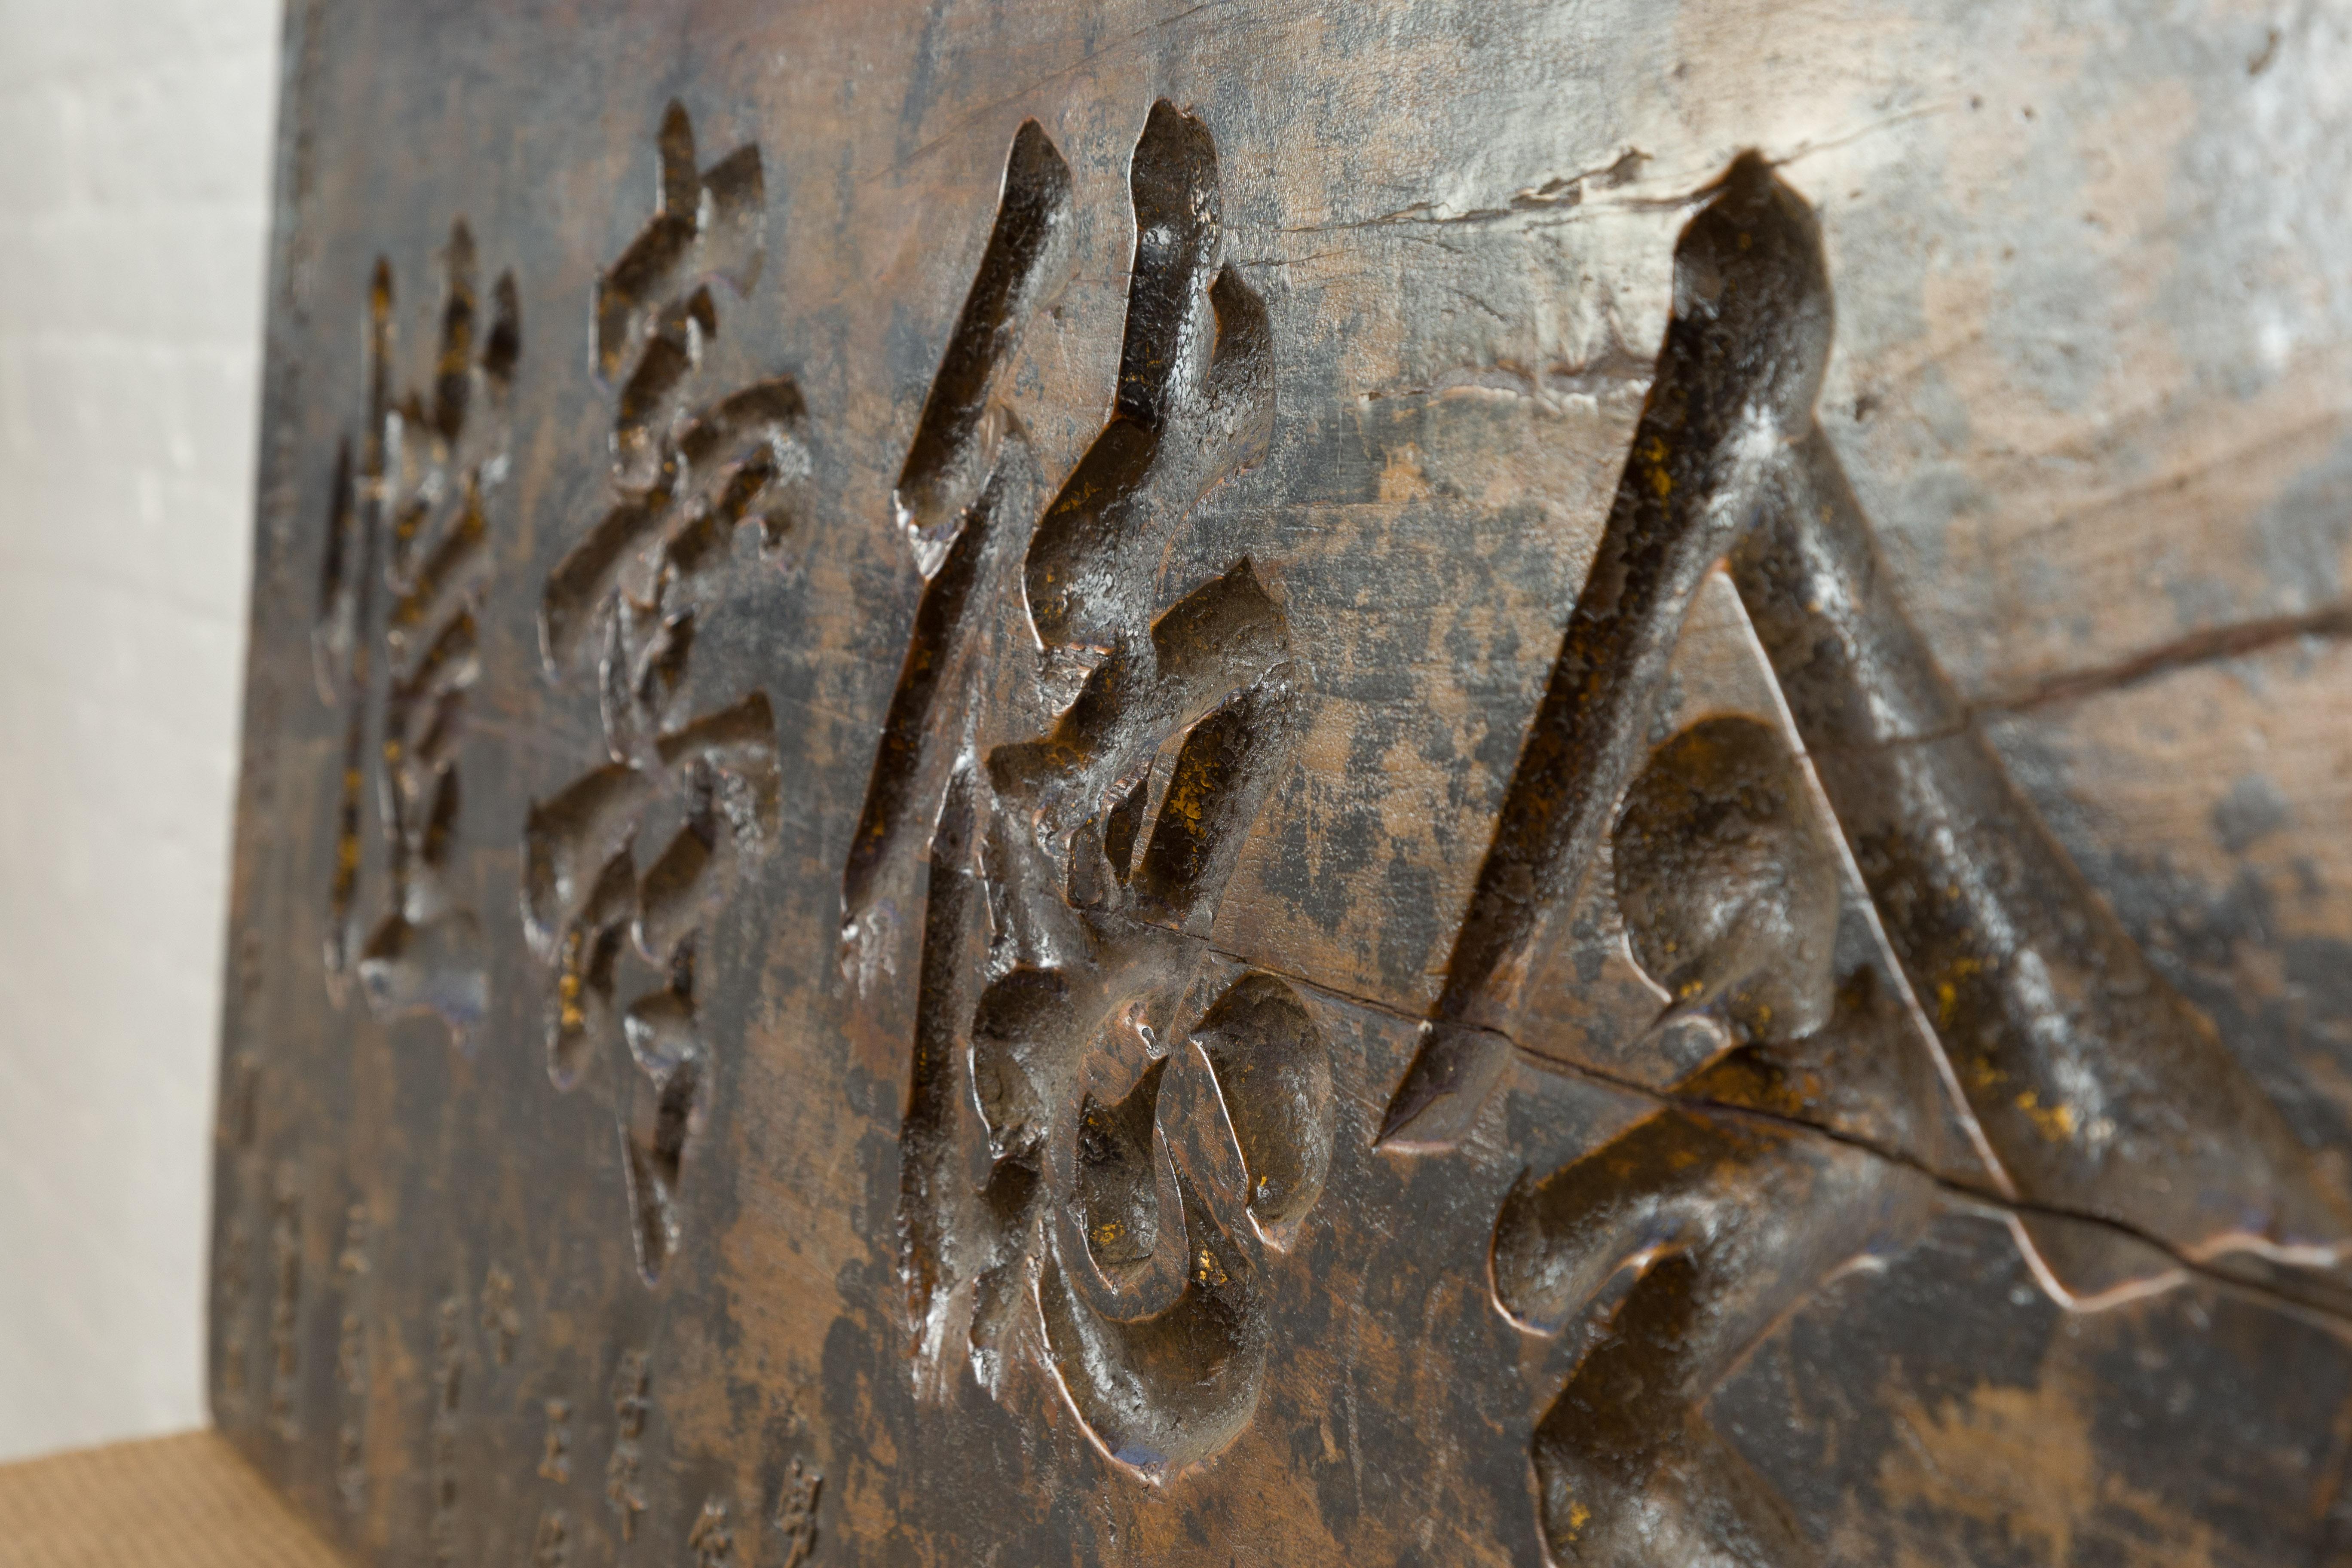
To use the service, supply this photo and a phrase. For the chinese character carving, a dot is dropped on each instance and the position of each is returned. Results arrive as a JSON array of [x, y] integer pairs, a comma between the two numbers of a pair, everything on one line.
[[2099, 1101], [353, 1267], [406, 560], [1084, 757], [698, 482], [448, 1400], [796, 1502], [632, 1401]]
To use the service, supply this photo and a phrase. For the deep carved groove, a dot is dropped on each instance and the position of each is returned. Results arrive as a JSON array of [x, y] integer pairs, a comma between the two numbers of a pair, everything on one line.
[[1728, 885], [898, 780], [1736, 380], [1172, 1387], [1275, 1074], [1728, 882], [953, 448], [1118, 1186], [2085, 1070], [662, 562], [949, 491]]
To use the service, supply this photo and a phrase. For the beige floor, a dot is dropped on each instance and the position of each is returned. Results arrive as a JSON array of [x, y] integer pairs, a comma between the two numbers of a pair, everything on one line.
[[172, 1502]]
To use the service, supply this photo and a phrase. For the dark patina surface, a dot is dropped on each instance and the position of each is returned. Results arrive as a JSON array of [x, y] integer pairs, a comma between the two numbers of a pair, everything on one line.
[[1258, 783]]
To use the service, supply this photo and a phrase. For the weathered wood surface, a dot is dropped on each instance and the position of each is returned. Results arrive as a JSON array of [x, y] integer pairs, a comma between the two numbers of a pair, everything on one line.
[[947, 855]]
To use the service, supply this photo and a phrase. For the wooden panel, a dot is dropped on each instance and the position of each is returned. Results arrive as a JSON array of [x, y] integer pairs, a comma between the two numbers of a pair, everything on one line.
[[1490, 783]]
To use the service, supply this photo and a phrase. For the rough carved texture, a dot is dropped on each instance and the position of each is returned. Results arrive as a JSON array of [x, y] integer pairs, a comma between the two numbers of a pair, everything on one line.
[[1224, 836]]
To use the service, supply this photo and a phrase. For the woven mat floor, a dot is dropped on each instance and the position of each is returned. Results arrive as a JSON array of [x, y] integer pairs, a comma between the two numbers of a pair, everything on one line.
[[186, 1501]]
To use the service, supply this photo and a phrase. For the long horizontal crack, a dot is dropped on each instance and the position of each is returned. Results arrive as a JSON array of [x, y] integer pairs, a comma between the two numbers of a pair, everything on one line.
[[2337, 1318], [2333, 1318]]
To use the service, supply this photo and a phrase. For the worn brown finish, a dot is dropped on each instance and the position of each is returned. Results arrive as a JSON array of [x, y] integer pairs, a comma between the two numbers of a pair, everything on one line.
[[1481, 785]]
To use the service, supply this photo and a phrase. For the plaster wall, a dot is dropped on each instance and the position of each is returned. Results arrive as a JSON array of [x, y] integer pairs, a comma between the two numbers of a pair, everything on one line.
[[133, 209]]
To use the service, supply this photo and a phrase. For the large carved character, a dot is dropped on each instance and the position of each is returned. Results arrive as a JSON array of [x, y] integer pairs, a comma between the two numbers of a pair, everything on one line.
[[1084, 763], [2092, 1090]]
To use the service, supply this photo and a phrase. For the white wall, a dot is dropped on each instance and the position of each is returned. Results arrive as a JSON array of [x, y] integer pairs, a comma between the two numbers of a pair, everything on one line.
[[134, 171]]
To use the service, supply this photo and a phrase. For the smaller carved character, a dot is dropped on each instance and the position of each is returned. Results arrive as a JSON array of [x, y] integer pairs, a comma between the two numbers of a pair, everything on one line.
[[501, 1319], [352, 1268], [712, 1539], [555, 1446], [632, 1386], [796, 1503], [448, 1402], [285, 1304], [551, 1544]]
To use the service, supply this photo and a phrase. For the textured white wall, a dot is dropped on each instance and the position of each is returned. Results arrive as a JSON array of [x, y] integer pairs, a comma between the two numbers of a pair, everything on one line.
[[135, 168]]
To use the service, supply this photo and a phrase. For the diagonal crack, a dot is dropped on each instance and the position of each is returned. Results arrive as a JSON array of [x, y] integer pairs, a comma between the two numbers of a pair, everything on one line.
[[2215, 643]]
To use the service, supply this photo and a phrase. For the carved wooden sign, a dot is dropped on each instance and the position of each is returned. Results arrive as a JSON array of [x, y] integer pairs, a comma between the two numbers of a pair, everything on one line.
[[1238, 785]]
